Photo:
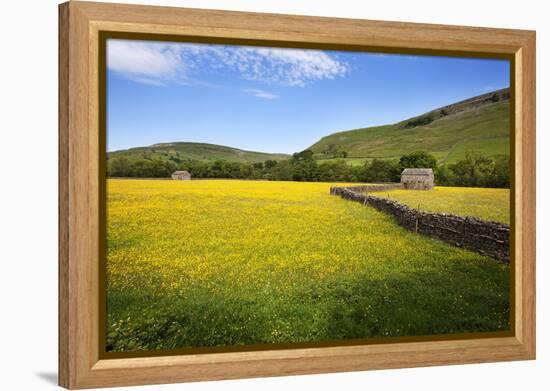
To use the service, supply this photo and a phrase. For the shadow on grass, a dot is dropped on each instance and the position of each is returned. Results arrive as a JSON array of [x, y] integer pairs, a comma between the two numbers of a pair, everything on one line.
[[454, 297], [418, 303]]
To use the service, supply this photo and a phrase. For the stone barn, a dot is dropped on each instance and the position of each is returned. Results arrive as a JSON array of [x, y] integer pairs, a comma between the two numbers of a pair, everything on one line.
[[181, 175], [417, 179]]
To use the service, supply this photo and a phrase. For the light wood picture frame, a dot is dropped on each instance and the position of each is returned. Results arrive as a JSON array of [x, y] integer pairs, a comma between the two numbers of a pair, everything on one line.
[[81, 363]]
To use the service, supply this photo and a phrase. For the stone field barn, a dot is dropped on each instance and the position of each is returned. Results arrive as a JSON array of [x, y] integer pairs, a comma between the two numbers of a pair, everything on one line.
[[181, 175], [417, 179]]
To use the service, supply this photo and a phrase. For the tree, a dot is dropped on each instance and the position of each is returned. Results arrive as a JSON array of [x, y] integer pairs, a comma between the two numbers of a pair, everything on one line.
[[304, 155], [283, 171], [161, 168], [142, 168], [444, 176], [198, 169], [473, 170], [501, 173], [217, 169], [304, 170], [381, 171], [420, 121], [246, 171], [269, 164], [119, 167], [336, 170], [176, 159], [418, 159]]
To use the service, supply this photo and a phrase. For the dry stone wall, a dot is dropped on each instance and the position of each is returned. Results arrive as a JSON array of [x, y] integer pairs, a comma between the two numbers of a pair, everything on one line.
[[486, 237], [373, 187]]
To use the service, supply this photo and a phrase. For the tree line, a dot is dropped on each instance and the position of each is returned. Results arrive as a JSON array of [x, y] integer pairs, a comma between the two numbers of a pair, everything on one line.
[[475, 170]]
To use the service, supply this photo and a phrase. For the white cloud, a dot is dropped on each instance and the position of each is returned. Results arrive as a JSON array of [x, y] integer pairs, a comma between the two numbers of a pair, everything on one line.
[[157, 63], [148, 63], [260, 93], [146, 80], [292, 67]]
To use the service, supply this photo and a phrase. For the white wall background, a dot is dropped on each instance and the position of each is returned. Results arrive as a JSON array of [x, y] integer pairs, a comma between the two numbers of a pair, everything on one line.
[[28, 193]]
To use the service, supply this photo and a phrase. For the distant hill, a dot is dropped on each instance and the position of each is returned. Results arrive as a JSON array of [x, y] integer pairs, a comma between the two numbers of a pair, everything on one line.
[[179, 151], [479, 124]]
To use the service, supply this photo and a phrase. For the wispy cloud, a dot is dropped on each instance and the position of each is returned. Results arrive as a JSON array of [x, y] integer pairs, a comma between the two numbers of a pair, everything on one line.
[[145, 63], [290, 67], [158, 63], [260, 93], [148, 81]]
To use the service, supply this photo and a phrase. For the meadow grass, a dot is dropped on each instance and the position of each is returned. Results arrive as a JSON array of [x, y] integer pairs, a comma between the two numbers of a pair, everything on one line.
[[486, 204], [222, 262], [485, 130]]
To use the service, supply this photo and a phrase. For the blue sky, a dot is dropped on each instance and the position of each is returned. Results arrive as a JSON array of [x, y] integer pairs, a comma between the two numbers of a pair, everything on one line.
[[273, 99]]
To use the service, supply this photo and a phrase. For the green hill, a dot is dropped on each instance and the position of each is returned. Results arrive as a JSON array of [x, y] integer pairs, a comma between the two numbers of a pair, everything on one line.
[[479, 124], [180, 151]]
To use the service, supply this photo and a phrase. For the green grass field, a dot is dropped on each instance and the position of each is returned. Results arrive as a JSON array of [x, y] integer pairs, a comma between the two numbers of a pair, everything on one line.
[[485, 130], [350, 161], [220, 262], [486, 204]]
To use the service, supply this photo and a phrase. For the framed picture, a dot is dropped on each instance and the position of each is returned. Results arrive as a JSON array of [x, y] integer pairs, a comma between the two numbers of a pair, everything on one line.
[[246, 195]]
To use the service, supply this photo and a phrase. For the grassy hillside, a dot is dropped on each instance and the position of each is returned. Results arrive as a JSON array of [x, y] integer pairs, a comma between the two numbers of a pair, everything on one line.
[[179, 151], [480, 124]]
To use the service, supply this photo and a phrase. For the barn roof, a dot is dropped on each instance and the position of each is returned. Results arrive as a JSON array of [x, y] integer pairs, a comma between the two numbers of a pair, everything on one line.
[[181, 173], [417, 171]]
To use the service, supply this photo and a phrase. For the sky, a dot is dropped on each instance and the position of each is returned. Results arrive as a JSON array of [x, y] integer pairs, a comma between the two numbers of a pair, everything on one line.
[[275, 100]]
